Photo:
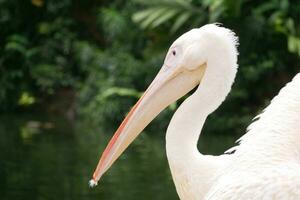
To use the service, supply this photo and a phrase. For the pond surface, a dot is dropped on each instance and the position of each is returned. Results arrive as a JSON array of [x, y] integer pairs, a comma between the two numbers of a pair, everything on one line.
[[46, 158]]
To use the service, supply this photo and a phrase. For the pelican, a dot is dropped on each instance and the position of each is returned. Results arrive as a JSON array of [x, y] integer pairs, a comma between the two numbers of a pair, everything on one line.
[[266, 161]]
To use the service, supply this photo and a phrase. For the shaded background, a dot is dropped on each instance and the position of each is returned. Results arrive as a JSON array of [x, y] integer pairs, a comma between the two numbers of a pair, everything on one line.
[[71, 70]]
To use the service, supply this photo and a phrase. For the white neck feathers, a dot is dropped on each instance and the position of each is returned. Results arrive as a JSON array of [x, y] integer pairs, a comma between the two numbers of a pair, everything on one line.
[[185, 161]]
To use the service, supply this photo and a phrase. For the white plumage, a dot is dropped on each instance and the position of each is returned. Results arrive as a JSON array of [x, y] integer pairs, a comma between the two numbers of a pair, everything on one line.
[[265, 163]]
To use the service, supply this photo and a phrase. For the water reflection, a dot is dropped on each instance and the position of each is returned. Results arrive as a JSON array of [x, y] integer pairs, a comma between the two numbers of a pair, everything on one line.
[[48, 159]]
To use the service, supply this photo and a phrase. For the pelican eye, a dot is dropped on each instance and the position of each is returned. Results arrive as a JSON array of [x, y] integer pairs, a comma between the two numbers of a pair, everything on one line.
[[173, 56]]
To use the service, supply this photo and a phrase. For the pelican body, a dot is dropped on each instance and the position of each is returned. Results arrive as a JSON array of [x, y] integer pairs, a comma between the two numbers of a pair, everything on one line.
[[266, 161]]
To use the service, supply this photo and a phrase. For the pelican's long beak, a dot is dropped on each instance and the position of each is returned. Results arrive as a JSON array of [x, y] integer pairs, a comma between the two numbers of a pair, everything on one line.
[[169, 85]]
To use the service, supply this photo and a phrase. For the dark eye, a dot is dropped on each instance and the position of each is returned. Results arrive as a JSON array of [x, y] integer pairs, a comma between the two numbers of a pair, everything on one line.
[[174, 53]]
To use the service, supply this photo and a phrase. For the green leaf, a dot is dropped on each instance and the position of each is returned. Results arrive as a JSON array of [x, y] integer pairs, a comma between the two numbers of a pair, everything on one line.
[[153, 16], [44, 28], [264, 8], [26, 99], [120, 92], [141, 15], [291, 25], [18, 39], [180, 21], [13, 46], [183, 3], [16, 43], [215, 14], [168, 15], [31, 52], [294, 44]]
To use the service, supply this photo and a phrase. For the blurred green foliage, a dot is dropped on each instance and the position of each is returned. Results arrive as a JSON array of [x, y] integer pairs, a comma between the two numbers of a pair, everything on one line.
[[107, 52]]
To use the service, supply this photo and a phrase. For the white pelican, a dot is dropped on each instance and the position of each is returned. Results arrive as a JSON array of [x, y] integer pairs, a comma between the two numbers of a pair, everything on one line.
[[266, 162]]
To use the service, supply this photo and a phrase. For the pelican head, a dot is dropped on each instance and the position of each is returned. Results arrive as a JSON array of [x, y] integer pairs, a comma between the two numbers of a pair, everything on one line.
[[184, 66]]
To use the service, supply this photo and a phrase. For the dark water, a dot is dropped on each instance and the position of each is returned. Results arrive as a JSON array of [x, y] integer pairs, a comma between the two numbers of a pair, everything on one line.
[[47, 158]]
